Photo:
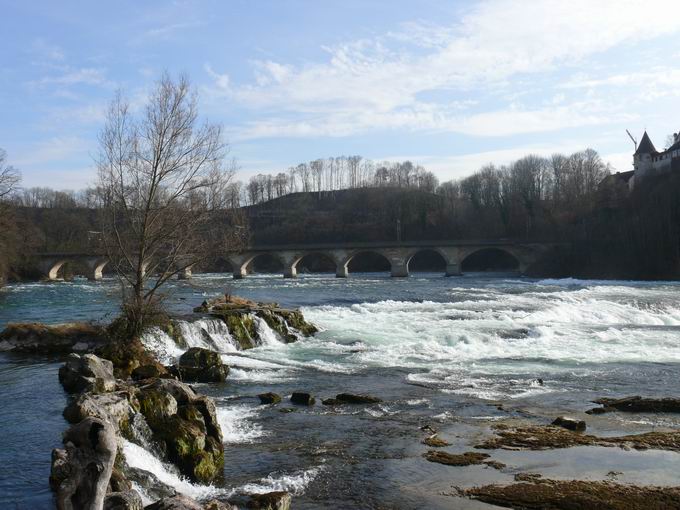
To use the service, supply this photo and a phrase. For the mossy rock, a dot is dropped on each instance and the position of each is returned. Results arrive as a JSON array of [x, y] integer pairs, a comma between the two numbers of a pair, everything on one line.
[[198, 456], [157, 407], [241, 327], [295, 319], [126, 356]]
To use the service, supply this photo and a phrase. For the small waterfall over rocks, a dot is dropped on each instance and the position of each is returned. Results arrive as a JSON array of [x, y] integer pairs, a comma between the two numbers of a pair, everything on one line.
[[210, 334], [227, 331]]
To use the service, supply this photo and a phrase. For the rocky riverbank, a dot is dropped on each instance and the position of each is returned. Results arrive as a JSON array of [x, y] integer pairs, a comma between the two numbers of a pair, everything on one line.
[[121, 393]]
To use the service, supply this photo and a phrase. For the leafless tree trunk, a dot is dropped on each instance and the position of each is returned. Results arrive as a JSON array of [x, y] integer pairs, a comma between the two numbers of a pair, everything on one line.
[[163, 183]]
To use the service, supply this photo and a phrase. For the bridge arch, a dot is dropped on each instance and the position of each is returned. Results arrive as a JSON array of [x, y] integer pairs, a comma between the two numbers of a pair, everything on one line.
[[418, 254], [97, 269], [53, 268], [325, 260], [379, 256], [491, 259], [241, 265]]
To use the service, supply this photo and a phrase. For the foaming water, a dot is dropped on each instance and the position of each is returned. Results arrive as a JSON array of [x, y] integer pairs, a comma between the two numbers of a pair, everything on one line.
[[433, 348]]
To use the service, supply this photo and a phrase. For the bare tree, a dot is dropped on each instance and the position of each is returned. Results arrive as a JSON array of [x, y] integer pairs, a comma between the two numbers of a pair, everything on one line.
[[163, 182], [9, 176]]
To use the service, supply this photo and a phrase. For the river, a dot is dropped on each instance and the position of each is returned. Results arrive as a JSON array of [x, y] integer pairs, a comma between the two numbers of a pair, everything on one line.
[[454, 353]]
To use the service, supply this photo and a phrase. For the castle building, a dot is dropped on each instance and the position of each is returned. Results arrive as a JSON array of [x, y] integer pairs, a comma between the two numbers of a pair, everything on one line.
[[647, 161]]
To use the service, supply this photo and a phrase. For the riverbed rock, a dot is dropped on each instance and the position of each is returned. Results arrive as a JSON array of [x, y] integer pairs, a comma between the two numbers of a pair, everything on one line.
[[148, 372], [637, 404], [127, 500], [302, 398], [177, 502], [576, 495], [87, 373], [81, 470], [187, 426], [114, 408], [350, 398], [450, 459], [269, 398], [127, 355], [435, 441], [279, 500], [202, 365], [57, 338], [237, 313], [570, 424]]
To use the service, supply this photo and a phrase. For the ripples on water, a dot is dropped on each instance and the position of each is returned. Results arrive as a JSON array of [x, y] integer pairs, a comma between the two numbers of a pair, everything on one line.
[[434, 348]]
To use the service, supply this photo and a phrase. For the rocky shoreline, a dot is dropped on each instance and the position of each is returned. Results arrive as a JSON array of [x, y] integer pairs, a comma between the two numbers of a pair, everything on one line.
[[120, 392]]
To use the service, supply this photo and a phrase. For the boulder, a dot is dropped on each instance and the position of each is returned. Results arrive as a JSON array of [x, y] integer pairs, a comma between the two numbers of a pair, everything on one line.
[[127, 356], [148, 372], [183, 393], [302, 398], [177, 502], [189, 431], [87, 373], [112, 407], [202, 365], [278, 500], [157, 406], [349, 398], [127, 500], [570, 424], [269, 398], [81, 471]]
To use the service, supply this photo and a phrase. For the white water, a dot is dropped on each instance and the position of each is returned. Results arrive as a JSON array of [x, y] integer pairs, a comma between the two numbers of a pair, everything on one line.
[[210, 334], [236, 422]]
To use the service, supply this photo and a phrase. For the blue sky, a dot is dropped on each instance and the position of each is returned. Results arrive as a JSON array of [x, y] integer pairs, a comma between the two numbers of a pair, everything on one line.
[[450, 85]]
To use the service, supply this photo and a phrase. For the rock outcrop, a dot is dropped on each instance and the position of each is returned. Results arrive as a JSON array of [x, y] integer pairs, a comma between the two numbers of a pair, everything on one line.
[[82, 469], [202, 365], [237, 314], [637, 404], [87, 373], [58, 338]]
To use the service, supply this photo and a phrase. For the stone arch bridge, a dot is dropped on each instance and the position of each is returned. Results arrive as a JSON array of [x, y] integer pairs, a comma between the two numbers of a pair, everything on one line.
[[453, 253]]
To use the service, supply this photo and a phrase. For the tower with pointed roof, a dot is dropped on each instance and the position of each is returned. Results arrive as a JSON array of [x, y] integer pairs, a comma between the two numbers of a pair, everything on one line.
[[648, 161], [643, 158]]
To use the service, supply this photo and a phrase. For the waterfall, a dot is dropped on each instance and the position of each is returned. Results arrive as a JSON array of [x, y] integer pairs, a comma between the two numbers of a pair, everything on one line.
[[161, 345], [210, 334], [265, 334]]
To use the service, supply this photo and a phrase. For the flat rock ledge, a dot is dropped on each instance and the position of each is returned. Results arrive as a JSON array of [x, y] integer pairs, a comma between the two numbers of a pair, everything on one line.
[[58, 338], [575, 495]]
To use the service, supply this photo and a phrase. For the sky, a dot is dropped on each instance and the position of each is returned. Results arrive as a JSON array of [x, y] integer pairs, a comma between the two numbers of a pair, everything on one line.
[[450, 85]]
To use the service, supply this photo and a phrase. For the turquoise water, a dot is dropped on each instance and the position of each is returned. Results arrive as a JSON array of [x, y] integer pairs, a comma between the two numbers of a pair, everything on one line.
[[437, 350]]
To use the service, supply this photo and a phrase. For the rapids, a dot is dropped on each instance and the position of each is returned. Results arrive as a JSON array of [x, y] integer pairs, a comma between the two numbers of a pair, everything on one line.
[[436, 350]]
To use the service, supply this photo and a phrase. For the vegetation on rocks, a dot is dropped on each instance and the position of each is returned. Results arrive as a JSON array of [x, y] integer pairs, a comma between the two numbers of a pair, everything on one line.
[[576, 495], [202, 365], [548, 437], [58, 338]]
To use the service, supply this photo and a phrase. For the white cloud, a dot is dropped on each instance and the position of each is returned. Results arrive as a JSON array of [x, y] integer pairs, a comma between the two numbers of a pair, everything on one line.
[[365, 85], [85, 75]]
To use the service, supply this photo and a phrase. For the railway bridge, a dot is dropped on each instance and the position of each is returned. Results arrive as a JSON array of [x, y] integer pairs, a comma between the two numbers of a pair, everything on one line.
[[398, 254]]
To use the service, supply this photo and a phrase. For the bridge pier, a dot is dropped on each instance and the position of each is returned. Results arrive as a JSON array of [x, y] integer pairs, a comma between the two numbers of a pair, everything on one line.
[[290, 271], [341, 271], [453, 269], [399, 269]]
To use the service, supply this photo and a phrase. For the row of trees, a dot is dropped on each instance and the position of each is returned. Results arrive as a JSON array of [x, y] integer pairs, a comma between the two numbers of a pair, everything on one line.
[[330, 174], [531, 196]]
